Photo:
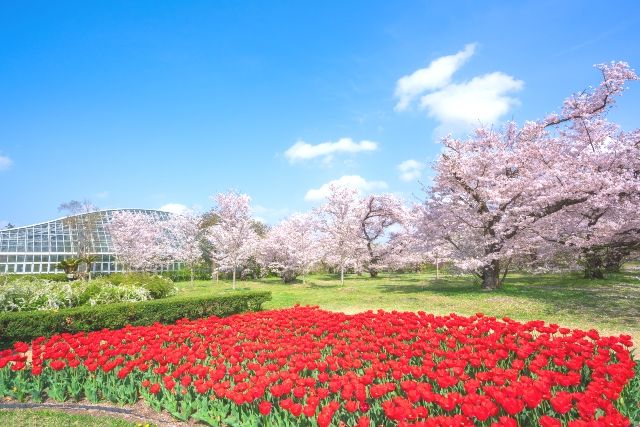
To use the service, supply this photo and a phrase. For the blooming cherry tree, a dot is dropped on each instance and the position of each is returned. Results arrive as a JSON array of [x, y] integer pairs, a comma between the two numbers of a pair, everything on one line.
[[233, 237], [184, 236], [379, 215], [138, 240], [339, 221], [494, 193], [292, 247]]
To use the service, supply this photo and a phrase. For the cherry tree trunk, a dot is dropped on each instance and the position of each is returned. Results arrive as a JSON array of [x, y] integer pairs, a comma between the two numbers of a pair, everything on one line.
[[373, 272], [491, 276], [342, 275], [233, 284], [593, 265]]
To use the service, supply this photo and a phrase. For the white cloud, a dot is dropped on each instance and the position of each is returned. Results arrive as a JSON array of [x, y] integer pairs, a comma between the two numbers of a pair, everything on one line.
[[5, 163], [437, 75], [410, 170], [482, 100], [176, 208], [352, 181], [305, 151]]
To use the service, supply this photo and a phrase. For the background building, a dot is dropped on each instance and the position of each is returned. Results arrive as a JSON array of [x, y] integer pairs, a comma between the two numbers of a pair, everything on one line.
[[40, 247]]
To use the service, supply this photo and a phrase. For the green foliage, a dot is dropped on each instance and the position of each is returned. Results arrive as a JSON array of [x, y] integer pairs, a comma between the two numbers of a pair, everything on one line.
[[25, 326], [629, 402], [69, 265], [157, 285], [184, 274], [30, 293], [53, 277]]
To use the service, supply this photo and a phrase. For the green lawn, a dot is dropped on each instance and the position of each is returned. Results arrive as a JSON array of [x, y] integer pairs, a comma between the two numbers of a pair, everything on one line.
[[612, 306], [52, 418]]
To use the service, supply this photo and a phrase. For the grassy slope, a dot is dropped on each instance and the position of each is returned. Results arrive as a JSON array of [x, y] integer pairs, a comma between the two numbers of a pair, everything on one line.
[[50, 418], [612, 306]]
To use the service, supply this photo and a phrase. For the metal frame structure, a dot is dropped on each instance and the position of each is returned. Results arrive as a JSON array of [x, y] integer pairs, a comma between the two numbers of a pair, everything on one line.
[[38, 248]]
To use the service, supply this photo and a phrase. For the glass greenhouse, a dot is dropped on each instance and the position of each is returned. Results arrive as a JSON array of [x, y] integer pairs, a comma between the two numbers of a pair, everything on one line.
[[39, 248]]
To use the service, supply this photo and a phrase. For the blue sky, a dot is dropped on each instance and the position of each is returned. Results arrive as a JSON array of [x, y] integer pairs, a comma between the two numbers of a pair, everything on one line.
[[150, 103]]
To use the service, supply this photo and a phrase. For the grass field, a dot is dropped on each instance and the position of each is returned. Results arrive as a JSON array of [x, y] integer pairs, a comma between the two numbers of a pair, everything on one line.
[[611, 306], [50, 418]]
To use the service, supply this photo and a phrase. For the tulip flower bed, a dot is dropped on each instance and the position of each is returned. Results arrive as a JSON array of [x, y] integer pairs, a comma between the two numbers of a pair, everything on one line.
[[309, 367]]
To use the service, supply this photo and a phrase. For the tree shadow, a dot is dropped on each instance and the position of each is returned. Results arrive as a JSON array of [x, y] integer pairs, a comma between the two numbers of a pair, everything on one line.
[[615, 299], [312, 285]]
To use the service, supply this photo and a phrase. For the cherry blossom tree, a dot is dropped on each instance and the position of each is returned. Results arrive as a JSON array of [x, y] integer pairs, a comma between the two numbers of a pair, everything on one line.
[[339, 221], [379, 215], [233, 237], [291, 248], [139, 240], [184, 237], [494, 193]]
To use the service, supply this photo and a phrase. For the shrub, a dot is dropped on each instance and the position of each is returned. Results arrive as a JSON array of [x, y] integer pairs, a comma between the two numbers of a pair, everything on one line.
[[28, 293], [184, 274], [34, 294], [157, 285], [53, 277], [25, 326]]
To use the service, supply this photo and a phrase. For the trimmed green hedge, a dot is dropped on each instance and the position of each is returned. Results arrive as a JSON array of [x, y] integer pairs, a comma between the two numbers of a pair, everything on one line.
[[25, 326]]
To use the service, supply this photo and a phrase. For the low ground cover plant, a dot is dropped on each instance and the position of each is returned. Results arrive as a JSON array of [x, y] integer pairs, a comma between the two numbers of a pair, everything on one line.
[[305, 366], [32, 293]]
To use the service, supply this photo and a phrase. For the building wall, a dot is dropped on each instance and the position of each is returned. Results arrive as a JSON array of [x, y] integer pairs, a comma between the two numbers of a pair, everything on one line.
[[39, 248]]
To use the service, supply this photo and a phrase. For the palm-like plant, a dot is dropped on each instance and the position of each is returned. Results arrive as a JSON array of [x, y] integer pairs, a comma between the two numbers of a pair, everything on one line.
[[70, 266]]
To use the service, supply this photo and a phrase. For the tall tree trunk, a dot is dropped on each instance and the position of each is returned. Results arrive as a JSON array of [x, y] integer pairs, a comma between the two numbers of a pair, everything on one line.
[[192, 275], [342, 275], [593, 265], [233, 284], [491, 276], [437, 268]]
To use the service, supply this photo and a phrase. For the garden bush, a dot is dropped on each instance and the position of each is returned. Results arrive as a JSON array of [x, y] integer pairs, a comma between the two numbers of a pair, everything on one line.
[[29, 293], [54, 277], [184, 274], [157, 285], [25, 326]]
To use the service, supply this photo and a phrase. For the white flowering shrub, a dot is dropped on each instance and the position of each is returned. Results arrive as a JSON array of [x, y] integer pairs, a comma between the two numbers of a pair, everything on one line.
[[29, 293]]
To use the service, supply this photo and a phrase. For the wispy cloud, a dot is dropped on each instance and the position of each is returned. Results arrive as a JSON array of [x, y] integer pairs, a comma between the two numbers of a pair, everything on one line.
[[5, 162], [410, 170], [482, 100], [304, 151], [437, 75], [352, 181]]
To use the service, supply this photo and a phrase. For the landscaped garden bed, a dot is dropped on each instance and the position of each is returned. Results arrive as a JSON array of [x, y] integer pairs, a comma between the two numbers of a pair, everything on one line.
[[306, 366]]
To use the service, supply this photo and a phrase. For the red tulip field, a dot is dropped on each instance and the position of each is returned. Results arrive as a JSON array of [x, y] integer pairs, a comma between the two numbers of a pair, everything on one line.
[[308, 367]]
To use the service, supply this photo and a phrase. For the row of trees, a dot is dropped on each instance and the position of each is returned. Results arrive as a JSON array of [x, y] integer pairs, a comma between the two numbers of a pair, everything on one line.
[[557, 193]]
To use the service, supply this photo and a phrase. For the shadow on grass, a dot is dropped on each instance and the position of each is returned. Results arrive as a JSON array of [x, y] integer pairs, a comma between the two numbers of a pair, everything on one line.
[[616, 299], [311, 285]]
